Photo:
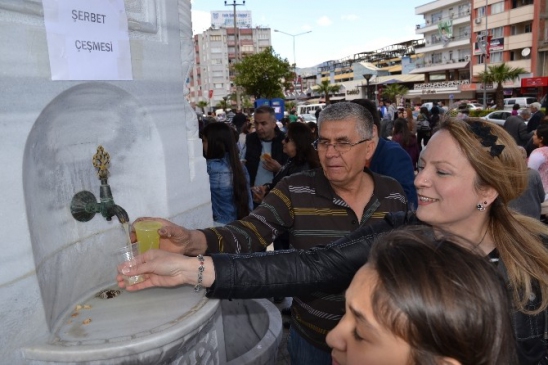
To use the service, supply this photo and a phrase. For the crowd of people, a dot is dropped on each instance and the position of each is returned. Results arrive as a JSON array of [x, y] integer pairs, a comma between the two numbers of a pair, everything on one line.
[[406, 241]]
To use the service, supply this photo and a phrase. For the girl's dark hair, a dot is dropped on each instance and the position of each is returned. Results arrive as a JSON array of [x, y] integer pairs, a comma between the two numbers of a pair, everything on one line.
[[400, 127], [302, 136], [542, 133], [424, 110], [220, 141], [441, 298]]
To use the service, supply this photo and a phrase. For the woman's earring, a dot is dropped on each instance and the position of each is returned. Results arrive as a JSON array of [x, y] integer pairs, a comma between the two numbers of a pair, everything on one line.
[[481, 207]]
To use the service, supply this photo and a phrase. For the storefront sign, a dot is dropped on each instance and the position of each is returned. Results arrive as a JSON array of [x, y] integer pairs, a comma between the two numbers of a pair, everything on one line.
[[468, 87], [441, 85], [534, 81]]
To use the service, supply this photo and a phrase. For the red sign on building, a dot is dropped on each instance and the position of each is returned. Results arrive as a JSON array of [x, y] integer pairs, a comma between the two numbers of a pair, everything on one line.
[[534, 81]]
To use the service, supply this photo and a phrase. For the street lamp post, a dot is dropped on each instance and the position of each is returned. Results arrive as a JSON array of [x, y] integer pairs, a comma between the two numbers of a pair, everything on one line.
[[293, 35], [367, 77], [236, 44]]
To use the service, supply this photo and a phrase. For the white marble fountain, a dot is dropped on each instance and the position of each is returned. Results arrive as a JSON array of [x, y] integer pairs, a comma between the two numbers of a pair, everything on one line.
[[52, 266]]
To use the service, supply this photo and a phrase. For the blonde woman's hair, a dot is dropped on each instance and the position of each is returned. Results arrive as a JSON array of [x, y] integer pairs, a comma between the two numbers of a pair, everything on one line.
[[518, 238]]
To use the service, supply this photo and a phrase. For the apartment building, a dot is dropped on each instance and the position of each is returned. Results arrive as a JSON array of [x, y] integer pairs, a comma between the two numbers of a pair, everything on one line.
[[518, 37], [459, 35], [446, 56], [215, 50]]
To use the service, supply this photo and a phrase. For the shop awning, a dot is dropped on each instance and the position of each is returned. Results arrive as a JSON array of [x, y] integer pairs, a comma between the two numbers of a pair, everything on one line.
[[397, 79], [446, 66]]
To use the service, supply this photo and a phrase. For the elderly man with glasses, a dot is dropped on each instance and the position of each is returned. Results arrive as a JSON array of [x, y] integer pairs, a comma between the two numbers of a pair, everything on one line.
[[316, 207]]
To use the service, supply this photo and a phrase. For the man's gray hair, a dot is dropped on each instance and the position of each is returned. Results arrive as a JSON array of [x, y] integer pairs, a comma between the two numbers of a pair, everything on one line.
[[525, 112], [343, 111], [535, 106]]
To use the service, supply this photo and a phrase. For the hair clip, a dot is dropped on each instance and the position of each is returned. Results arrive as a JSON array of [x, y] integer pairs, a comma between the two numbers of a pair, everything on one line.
[[496, 149], [487, 139]]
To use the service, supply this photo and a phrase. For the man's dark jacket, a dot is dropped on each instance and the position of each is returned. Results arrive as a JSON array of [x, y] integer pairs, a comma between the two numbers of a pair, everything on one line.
[[535, 120], [254, 150]]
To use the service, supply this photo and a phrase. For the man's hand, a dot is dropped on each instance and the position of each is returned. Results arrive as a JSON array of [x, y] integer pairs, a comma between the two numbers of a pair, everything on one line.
[[272, 165], [177, 239]]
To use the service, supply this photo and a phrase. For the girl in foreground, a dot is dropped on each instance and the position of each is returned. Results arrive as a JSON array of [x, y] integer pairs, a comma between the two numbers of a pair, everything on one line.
[[471, 170], [421, 300]]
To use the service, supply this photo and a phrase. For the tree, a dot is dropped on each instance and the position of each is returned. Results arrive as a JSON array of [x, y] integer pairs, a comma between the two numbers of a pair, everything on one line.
[[202, 104], [393, 91], [326, 88], [500, 74], [222, 104], [246, 103], [290, 105], [264, 74]]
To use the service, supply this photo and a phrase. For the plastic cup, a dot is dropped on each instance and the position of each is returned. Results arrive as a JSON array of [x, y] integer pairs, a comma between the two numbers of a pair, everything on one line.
[[127, 254], [147, 235]]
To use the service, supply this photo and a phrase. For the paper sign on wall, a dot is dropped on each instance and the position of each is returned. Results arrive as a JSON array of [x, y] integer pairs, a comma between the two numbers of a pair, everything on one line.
[[87, 40]]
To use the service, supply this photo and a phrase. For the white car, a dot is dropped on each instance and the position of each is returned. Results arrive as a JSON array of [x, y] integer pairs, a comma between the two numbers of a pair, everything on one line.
[[308, 118], [497, 117], [474, 106]]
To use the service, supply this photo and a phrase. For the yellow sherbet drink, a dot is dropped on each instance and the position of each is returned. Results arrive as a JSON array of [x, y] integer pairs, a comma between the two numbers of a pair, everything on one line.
[[147, 235]]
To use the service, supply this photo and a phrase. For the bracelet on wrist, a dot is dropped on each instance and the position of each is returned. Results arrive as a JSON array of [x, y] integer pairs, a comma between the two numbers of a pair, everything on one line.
[[201, 269]]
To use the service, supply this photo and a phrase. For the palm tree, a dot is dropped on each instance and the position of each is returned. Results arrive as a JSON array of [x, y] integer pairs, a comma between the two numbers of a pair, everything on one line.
[[246, 103], [392, 91], [500, 74], [325, 88], [222, 104], [202, 104]]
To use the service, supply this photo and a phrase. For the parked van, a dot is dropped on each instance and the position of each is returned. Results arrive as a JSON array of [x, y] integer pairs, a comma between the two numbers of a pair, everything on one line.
[[309, 109], [523, 102]]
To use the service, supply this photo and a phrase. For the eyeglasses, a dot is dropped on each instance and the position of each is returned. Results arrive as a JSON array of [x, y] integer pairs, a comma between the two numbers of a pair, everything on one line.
[[340, 147]]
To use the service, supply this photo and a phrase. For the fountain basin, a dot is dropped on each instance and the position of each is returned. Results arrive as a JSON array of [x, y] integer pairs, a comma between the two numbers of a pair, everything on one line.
[[162, 326]]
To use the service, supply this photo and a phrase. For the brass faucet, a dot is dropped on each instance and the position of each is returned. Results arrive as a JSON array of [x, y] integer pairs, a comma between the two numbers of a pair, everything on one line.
[[84, 205]]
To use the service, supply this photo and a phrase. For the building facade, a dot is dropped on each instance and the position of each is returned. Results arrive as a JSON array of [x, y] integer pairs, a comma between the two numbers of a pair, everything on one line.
[[446, 56], [215, 50], [514, 29]]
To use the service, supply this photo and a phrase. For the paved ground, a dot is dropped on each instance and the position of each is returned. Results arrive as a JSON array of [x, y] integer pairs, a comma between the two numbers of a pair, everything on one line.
[[283, 355]]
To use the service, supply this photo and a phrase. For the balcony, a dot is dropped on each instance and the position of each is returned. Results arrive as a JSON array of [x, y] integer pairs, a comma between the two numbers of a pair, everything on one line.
[[519, 41], [456, 17], [521, 14], [437, 5]]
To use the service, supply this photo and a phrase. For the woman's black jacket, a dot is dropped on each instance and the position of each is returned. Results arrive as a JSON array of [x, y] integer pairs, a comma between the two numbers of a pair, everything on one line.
[[292, 273]]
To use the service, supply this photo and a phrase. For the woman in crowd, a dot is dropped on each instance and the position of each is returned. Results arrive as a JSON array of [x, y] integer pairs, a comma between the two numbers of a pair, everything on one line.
[[246, 129], [538, 160], [302, 156], [407, 140], [423, 127], [228, 177], [515, 109], [411, 122], [434, 117], [469, 173], [421, 300]]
